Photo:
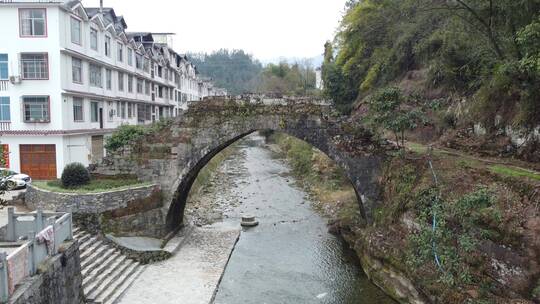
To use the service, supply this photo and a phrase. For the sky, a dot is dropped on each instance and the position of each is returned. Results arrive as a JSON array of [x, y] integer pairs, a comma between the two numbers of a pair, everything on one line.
[[268, 29]]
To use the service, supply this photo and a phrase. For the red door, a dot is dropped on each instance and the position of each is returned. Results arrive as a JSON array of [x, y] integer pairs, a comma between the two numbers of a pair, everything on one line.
[[38, 161]]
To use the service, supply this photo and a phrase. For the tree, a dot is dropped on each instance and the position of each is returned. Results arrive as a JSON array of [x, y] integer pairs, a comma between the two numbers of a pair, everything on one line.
[[496, 20], [290, 79], [234, 70], [529, 41], [388, 112]]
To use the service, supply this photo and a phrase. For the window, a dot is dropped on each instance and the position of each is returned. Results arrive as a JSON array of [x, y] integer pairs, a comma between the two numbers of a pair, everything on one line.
[[36, 109], [108, 46], [160, 71], [78, 109], [139, 61], [94, 111], [160, 92], [76, 31], [4, 74], [130, 84], [147, 87], [149, 111], [139, 85], [120, 52], [123, 110], [130, 56], [120, 81], [95, 76], [33, 22], [35, 66], [5, 109], [111, 110], [146, 65], [130, 110], [108, 79], [94, 39], [76, 70]]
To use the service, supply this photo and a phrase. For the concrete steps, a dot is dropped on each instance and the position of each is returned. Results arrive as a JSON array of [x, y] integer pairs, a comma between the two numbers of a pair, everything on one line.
[[107, 273]]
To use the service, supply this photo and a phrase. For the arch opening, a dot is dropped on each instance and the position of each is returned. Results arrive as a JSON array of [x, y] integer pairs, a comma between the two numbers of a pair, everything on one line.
[[175, 214]]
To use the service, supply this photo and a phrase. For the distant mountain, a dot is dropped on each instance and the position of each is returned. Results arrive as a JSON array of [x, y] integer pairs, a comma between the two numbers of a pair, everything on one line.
[[313, 61]]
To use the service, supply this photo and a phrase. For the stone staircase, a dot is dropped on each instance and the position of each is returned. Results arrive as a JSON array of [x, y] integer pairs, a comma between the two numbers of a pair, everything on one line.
[[107, 273]]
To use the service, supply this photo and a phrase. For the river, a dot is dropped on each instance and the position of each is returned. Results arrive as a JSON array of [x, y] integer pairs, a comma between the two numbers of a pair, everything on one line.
[[290, 257]]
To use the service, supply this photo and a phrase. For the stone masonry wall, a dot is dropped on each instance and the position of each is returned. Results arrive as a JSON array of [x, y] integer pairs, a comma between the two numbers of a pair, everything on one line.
[[59, 280], [85, 203], [133, 211]]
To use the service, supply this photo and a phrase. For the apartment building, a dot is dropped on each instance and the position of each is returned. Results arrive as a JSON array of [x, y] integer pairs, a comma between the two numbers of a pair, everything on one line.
[[70, 75]]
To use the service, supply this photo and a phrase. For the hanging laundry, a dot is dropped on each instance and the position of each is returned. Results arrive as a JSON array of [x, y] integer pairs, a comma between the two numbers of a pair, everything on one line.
[[47, 236]]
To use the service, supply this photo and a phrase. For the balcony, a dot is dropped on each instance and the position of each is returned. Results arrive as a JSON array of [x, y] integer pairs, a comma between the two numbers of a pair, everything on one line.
[[4, 83], [5, 126]]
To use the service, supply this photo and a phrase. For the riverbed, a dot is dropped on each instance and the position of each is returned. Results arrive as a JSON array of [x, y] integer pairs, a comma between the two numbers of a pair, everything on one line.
[[289, 257]]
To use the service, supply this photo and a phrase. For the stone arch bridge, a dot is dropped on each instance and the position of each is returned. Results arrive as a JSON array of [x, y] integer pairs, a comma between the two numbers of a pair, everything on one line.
[[173, 156]]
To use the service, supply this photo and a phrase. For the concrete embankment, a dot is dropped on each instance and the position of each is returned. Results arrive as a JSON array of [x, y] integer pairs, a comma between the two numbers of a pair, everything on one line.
[[193, 274]]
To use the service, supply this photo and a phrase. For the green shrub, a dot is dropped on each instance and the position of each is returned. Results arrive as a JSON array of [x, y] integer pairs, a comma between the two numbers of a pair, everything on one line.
[[299, 155], [75, 175], [123, 136], [536, 291], [465, 222], [128, 134]]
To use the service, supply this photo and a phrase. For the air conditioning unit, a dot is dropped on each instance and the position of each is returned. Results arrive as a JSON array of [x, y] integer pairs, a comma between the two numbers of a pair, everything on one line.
[[15, 79]]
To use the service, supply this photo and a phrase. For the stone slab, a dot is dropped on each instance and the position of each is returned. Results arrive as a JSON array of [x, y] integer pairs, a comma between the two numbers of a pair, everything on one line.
[[192, 275], [137, 243], [176, 242]]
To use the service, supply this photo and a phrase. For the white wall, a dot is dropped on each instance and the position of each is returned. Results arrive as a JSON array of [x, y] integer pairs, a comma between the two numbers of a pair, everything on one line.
[[13, 45], [77, 149]]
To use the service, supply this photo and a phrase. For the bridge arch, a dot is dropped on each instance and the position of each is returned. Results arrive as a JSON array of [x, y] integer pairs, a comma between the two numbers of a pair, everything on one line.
[[175, 213], [174, 157]]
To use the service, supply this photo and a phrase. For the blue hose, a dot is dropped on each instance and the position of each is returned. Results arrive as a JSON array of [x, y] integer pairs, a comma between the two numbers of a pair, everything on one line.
[[434, 221]]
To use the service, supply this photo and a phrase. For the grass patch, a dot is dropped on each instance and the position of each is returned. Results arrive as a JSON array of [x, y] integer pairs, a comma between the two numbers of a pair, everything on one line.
[[95, 185], [417, 148], [514, 172]]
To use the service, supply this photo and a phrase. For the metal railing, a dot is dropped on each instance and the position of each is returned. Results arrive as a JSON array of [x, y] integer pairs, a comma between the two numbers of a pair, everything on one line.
[[4, 85], [53, 229], [5, 126]]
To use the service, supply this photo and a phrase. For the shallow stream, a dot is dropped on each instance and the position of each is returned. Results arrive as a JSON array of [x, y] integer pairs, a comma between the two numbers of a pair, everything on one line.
[[290, 257]]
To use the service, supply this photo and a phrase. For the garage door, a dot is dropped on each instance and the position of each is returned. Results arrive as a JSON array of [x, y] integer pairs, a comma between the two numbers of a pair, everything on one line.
[[38, 161]]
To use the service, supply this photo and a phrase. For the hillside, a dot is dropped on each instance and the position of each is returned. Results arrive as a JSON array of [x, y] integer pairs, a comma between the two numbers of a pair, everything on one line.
[[466, 62], [240, 73]]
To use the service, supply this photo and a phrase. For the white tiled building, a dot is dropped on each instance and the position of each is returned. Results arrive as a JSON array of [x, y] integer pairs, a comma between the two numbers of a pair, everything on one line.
[[70, 75]]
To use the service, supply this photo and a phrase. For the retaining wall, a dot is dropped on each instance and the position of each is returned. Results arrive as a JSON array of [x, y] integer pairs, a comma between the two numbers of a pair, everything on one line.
[[135, 211], [59, 280]]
